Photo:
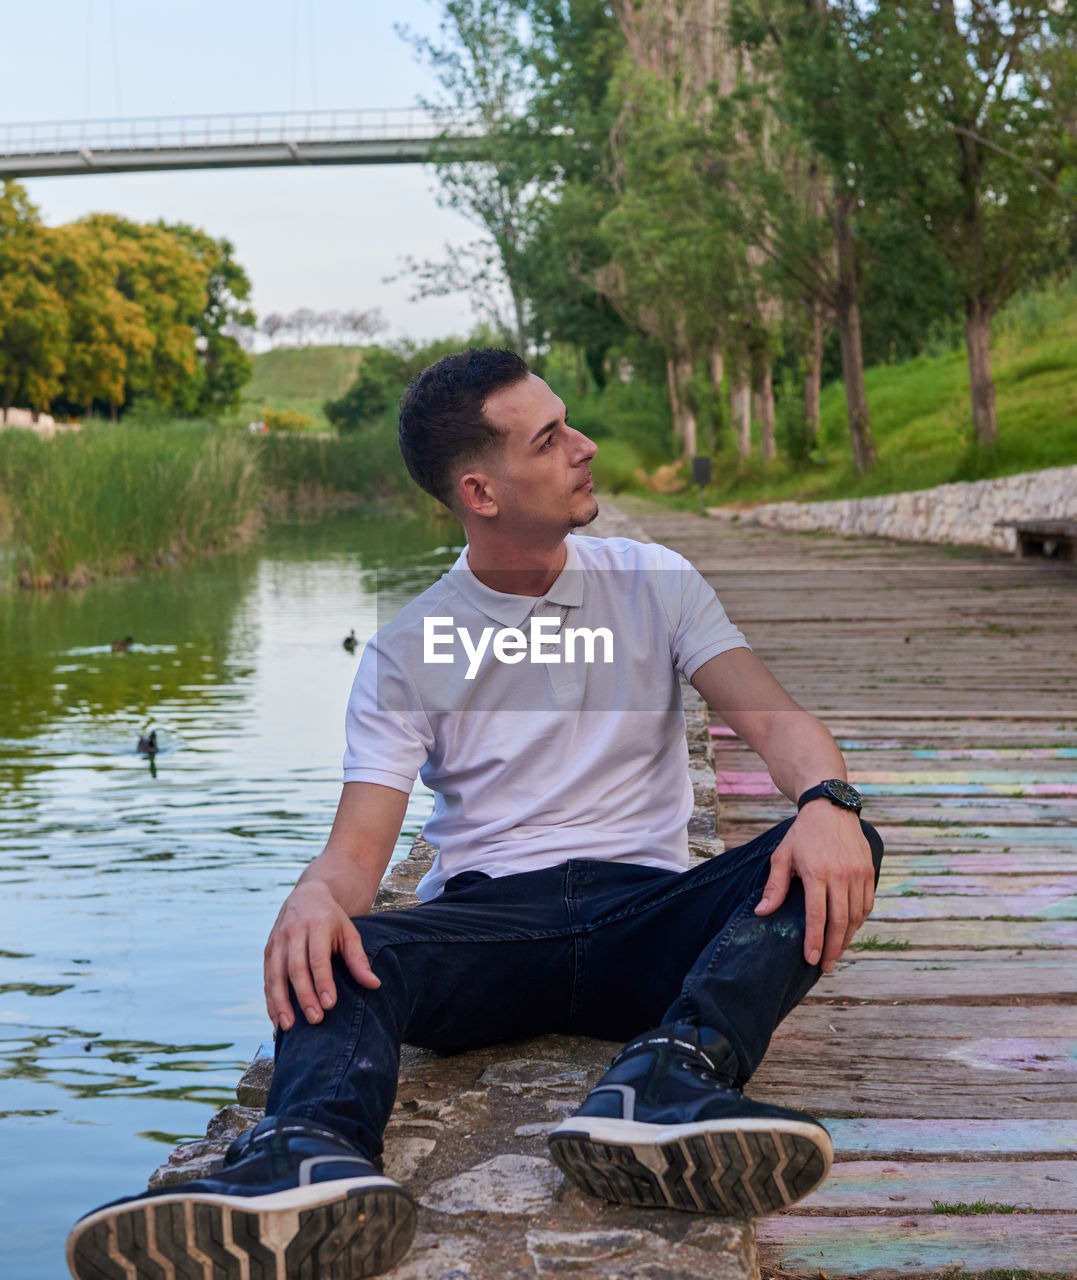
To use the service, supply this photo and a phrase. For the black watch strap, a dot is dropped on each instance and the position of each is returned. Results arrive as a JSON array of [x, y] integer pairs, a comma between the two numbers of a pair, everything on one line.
[[837, 791]]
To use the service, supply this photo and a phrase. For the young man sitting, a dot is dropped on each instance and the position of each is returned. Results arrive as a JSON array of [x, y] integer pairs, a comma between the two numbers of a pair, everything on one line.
[[535, 688]]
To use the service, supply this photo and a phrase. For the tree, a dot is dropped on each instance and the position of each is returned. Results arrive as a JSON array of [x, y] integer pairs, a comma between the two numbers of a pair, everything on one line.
[[107, 310], [480, 63], [272, 325], [108, 330], [969, 132], [159, 272], [679, 269], [359, 325], [33, 319], [804, 198], [380, 379], [574, 50], [220, 327], [383, 375]]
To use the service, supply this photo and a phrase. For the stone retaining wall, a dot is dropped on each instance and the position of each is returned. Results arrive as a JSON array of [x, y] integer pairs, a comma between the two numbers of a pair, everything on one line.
[[962, 513]]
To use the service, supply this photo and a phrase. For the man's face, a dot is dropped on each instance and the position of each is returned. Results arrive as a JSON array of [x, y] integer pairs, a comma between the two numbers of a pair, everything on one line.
[[541, 477]]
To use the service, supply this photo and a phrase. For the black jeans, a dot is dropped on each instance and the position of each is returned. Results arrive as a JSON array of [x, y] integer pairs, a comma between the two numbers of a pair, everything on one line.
[[594, 948]]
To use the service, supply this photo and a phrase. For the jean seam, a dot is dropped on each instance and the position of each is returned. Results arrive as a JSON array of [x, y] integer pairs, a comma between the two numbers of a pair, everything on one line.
[[577, 976], [397, 940]]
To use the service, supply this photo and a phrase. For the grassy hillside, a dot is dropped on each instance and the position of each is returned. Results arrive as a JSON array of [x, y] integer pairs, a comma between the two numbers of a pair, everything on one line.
[[922, 418], [300, 378], [920, 412]]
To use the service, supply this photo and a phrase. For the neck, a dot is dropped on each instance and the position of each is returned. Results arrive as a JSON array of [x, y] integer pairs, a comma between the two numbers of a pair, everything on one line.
[[514, 569]]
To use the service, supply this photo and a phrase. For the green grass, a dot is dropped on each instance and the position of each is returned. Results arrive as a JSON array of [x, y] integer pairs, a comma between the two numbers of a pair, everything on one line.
[[921, 417], [967, 1208], [300, 378], [366, 464], [1008, 1273], [304, 372], [112, 498], [873, 943]]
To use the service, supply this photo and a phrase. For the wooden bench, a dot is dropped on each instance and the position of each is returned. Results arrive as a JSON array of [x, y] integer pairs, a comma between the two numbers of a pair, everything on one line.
[[1052, 539]]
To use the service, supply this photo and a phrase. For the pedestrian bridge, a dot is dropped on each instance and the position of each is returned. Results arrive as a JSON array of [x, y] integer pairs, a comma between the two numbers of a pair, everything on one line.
[[238, 140]]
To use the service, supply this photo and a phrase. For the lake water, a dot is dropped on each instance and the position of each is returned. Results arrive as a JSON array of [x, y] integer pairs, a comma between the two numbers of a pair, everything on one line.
[[134, 908]]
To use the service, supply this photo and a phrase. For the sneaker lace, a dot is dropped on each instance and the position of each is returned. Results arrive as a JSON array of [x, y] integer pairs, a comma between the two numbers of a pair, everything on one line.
[[693, 1058]]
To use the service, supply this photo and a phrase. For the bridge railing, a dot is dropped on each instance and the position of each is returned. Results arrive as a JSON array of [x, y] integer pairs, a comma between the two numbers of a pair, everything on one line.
[[236, 129]]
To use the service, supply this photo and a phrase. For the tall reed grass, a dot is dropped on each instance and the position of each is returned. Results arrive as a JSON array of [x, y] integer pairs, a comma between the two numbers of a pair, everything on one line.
[[110, 499], [366, 464]]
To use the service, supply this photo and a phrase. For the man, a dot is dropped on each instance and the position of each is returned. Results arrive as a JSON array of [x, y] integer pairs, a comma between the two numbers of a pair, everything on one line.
[[536, 689]]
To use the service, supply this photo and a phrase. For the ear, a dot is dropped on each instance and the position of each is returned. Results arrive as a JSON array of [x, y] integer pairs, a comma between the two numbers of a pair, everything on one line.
[[475, 492]]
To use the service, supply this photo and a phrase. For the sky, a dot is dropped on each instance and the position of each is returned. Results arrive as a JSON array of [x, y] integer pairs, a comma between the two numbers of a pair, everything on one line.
[[321, 237]]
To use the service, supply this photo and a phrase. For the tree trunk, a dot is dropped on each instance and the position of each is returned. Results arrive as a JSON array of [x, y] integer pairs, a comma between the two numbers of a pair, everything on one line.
[[675, 407], [813, 379], [766, 415], [688, 412], [741, 405], [113, 411], [6, 405], [521, 327], [847, 314], [717, 372], [978, 342]]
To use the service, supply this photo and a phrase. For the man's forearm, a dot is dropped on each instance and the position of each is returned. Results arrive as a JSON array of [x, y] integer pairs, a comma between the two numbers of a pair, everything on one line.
[[799, 751], [352, 883], [367, 823]]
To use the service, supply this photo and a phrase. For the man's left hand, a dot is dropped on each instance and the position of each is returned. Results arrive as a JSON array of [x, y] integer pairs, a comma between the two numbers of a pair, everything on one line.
[[827, 849]]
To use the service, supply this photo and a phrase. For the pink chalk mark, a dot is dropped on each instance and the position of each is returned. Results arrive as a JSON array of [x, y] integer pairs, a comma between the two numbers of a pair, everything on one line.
[[745, 783]]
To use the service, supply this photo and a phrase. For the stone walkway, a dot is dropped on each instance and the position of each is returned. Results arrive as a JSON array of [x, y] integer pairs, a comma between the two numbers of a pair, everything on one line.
[[942, 1053]]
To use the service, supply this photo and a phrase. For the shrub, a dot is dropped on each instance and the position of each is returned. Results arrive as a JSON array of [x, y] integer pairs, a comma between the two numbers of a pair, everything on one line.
[[382, 379], [286, 420]]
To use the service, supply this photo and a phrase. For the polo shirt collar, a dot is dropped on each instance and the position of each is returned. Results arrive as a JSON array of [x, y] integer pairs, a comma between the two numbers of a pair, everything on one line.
[[510, 610]]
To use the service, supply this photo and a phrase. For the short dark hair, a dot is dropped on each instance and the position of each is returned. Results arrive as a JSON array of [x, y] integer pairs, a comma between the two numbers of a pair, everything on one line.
[[442, 425]]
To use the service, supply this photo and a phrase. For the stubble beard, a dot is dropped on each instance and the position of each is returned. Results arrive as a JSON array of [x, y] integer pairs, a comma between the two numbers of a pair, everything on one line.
[[578, 522]]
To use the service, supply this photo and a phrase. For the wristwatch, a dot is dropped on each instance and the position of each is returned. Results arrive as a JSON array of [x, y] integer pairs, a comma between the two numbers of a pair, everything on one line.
[[837, 791]]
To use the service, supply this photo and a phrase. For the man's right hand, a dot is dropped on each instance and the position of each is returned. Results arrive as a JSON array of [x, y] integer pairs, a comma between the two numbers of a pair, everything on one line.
[[310, 928], [316, 920]]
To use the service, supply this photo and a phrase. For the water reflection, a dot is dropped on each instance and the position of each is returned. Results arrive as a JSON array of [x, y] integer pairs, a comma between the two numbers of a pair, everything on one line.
[[136, 906]]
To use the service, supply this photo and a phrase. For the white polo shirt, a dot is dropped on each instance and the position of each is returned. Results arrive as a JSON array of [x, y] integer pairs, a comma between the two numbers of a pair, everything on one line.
[[542, 741]]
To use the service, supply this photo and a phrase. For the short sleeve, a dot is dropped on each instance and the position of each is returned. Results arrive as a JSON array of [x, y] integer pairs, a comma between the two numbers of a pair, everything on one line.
[[388, 738], [702, 629]]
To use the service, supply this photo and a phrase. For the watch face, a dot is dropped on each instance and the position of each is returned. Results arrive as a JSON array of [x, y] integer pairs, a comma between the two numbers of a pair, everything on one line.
[[843, 793]]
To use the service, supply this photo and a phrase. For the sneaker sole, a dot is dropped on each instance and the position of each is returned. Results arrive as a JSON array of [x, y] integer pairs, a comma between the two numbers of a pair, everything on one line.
[[736, 1168], [349, 1233]]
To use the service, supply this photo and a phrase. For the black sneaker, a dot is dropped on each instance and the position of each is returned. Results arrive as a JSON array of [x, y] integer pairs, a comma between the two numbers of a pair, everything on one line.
[[666, 1127], [293, 1200]]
